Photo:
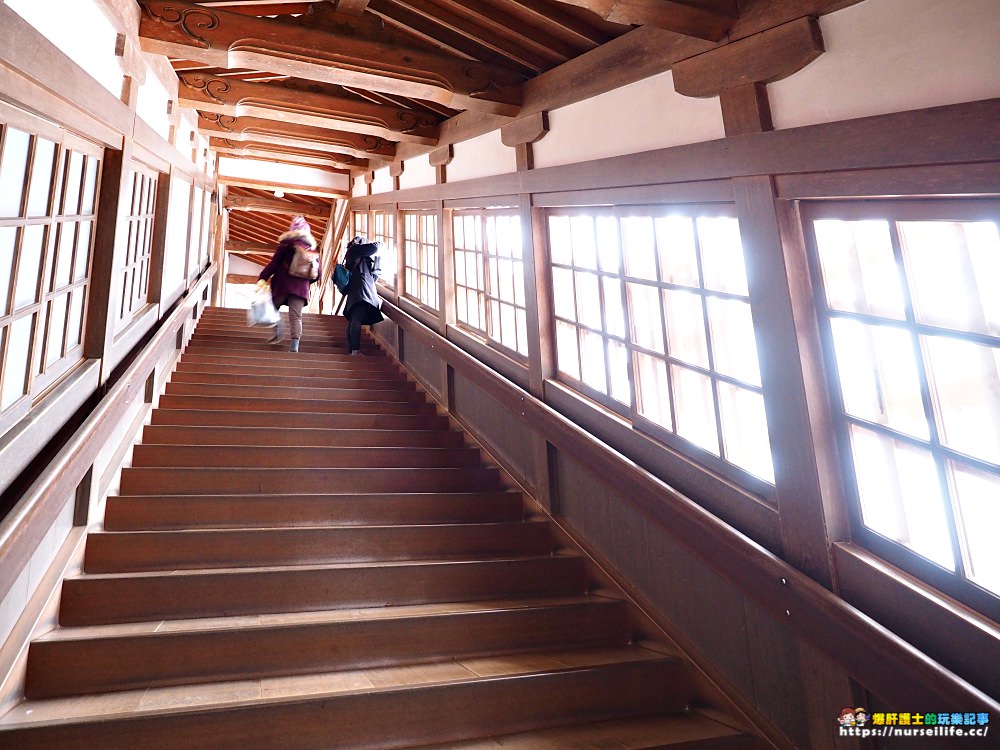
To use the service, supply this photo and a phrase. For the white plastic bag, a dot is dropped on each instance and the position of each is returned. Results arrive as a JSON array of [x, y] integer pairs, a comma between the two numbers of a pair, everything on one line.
[[261, 311]]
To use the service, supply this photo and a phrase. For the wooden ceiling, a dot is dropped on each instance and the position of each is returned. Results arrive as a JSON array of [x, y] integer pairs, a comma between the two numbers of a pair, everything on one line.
[[345, 85]]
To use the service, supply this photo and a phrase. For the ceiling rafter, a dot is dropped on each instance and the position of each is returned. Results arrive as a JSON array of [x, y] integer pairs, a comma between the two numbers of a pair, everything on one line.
[[705, 19], [225, 39]]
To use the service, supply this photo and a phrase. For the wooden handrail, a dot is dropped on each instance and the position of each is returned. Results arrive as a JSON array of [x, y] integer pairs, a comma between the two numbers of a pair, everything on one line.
[[339, 229], [29, 520], [878, 659]]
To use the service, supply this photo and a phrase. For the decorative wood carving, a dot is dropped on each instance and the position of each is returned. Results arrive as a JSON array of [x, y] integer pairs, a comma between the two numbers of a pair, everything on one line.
[[191, 32], [271, 131], [709, 19], [277, 101], [396, 168], [762, 58]]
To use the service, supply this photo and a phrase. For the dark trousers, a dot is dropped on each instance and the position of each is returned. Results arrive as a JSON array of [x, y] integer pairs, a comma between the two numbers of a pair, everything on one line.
[[354, 328]]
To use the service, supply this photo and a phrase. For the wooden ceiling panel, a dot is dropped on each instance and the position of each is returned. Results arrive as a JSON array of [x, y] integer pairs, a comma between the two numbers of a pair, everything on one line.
[[337, 84]]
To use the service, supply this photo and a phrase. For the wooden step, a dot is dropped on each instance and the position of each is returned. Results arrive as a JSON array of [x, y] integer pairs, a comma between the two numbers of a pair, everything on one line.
[[687, 731], [320, 379], [278, 351], [134, 551], [137, 597], [361, 366], [320, 406], [303, 457], [395, 716], [75, 661], [302, 437], [153, 480], [165, 415], [163, 512], [309, 392]]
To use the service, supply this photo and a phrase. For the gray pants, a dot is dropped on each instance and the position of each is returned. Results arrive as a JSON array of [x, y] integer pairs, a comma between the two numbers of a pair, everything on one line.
[[295, 305]]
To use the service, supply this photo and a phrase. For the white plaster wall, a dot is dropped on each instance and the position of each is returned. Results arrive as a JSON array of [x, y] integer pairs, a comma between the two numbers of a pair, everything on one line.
[[417, 172], [642, 116], [286, 174], [893, 55], [358, 186], [382, 182], [483, 156], [81, 31], [151, 106]]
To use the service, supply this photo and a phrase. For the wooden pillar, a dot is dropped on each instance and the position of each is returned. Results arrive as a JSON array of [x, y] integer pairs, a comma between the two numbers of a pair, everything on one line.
[[369, 179], [110, 245], [520, 135], [158, 250]]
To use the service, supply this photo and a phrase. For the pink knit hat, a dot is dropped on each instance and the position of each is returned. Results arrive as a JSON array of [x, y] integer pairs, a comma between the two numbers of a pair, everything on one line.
[[300, 230]]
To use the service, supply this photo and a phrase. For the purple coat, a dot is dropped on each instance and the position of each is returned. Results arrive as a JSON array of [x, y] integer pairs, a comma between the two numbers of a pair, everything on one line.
[[283, 283]]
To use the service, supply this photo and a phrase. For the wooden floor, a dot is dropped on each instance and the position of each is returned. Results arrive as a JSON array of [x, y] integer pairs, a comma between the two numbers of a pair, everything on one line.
[[305, 555]]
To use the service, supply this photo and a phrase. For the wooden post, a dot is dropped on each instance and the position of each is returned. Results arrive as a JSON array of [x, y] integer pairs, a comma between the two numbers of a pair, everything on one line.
[[440, 158]]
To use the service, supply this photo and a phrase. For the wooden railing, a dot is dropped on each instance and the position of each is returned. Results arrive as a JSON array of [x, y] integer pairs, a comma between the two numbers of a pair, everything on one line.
[[875, 657], [32, 516]]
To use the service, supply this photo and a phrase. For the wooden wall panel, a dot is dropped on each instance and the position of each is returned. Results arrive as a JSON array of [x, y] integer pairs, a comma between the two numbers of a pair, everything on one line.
[[500, 429], [427, 366], [777, 688]]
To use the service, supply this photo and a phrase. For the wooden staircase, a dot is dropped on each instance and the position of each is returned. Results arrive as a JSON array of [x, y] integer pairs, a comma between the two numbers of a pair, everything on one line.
[[305, 555]]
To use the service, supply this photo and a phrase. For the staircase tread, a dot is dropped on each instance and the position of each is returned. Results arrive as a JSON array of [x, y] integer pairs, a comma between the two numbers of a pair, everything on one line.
[[325, 566], [290, 689], [235, 531], [645, 733], [288, 619]]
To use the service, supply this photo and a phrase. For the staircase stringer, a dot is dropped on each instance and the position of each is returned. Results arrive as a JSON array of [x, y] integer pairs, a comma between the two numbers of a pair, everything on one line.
[[717, 697]]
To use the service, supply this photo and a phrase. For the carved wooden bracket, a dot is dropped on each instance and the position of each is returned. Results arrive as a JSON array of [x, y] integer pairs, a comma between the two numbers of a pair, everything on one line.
[[280, 102], [442, 156], [762, 58], [396, 168], [214, 37], [521, 133], [738, 73]]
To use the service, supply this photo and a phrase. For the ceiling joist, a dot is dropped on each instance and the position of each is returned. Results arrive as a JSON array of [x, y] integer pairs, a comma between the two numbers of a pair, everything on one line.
[[705, 19]]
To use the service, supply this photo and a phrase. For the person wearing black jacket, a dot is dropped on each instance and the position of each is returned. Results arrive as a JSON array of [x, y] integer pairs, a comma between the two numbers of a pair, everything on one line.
[[363, 303]]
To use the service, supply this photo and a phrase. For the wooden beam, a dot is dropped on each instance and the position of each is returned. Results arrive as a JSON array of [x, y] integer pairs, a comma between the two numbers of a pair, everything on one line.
[[275, 101], [706, 20], [278, 153], [276, 206], [746, 109], [354, 147], [286, 186], [762, 58], [248, 248], [352, 7], [192, 32]]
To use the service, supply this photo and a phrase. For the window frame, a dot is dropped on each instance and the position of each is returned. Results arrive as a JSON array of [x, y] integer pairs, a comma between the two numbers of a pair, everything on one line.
[[41, 371], [715, 464], [484, 253], [136, 265], [420, 273], [892, 210]]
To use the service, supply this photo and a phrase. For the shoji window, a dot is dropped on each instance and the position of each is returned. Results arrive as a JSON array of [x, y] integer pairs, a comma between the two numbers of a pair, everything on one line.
[[47, 212], [384, 230], [134, 275], [489, 276], [652, 318], [909, 296], [420, 256], [359, 222]]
